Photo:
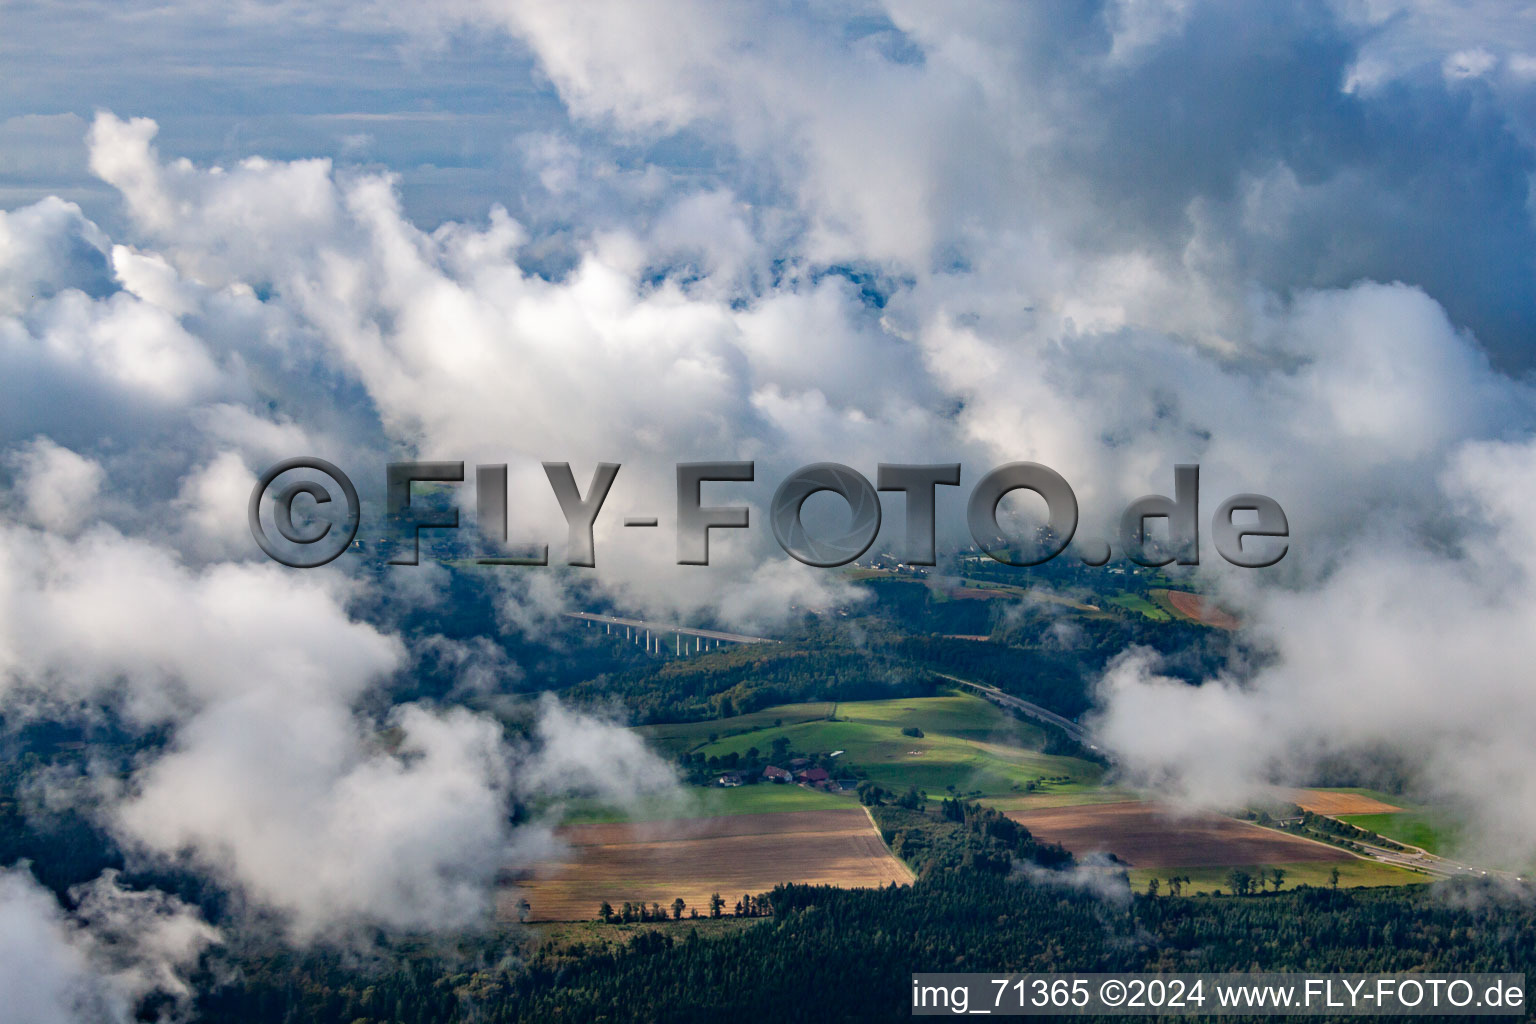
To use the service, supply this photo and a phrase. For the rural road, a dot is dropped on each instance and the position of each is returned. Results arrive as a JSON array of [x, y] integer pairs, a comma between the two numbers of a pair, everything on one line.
[[1024, 707]]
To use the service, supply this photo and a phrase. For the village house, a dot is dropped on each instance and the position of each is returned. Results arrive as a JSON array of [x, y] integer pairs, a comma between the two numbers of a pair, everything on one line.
[[773, 774]]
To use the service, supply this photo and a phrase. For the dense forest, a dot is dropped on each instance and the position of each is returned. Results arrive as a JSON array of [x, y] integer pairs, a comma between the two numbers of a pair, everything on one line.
[[837, 955], [988, 898]]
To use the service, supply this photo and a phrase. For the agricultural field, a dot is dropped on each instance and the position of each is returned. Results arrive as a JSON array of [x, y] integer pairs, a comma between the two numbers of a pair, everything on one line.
[[1070, 797], [1182, 604], [673, 738], [1424, 829], [1353, 872], [695, 802], [1335, 802], [968, 745], [1136, 603], [1147, 835], [659, 861], [1391, 817]]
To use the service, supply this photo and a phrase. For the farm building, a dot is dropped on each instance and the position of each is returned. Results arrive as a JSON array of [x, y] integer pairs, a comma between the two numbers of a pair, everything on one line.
[[812, 775], [773, 774]]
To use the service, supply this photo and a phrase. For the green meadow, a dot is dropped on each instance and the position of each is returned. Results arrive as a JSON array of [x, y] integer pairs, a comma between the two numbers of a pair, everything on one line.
[[1423, 829], [1352, 873], [968, 746], [763, 798]]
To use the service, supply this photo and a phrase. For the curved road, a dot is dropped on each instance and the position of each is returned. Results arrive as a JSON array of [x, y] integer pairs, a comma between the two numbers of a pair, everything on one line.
[[1024, 707]]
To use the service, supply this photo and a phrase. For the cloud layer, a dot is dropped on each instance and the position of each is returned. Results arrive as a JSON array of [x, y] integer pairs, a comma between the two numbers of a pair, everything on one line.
[[1293, 246]]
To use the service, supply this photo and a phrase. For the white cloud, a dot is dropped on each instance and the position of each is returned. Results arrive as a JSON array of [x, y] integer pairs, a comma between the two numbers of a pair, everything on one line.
[[93, 966], [57, 488], [210, 501], [1113, 240]]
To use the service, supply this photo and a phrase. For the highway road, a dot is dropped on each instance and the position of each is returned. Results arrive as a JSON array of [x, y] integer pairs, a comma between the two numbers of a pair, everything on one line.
[[660, 628], [1024, 707]]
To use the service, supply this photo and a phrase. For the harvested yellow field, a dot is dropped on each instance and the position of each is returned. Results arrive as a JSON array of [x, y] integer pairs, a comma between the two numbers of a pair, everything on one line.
[[1321, 801], [660, 861]]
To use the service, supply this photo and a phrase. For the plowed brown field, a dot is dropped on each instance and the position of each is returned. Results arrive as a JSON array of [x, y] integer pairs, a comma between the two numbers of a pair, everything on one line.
[[1192, 606], [658, 861], [1146, 835]]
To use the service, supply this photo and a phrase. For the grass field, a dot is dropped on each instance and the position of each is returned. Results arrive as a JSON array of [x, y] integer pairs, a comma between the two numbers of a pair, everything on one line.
[[967, 743], [674, 738], [1352, 872], [763, 798], [1390, 816], [1137, 603], [657, 862], [1423, 829]]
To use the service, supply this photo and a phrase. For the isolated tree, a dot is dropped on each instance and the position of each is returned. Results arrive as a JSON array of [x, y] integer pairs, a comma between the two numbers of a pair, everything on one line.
[[1277, 878], [1175, 885], [677, 909], [605, 911], [1333, 878], [1152, 887], [716, 904], [627, 912], [657, 914], [1240, 882]]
